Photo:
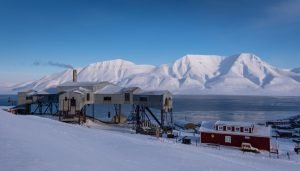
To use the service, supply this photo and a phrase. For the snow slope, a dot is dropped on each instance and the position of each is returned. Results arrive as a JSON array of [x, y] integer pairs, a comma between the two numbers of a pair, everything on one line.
[[6, 88], [46, 82], [241, 74], [31, 143]]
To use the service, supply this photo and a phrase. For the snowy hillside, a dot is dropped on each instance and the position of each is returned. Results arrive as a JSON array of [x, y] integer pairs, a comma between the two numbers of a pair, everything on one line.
[[296, 70], [31, 143], [242, 74]]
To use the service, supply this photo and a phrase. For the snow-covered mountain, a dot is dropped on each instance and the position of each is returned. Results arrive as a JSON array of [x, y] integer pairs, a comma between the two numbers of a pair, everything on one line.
[[242, 74], [296, 70]]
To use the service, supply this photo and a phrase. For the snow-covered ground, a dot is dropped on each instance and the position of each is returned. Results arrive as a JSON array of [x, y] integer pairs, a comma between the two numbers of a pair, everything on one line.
[[35, 143]]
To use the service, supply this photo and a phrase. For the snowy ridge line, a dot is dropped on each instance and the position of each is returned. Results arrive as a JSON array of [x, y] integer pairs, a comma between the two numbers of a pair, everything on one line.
[[242, 74]]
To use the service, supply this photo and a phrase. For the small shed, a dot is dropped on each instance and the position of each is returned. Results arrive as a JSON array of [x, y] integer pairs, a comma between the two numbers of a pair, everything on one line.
[[185, 124], [24, 98]]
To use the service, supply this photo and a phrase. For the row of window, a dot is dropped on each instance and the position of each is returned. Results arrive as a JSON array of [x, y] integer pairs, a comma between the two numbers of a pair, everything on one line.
[[228, 139], [233, 129], [106, 98], [126, 97]]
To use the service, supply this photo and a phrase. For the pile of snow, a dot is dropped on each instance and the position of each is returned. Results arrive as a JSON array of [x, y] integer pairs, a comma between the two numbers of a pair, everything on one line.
[[242, 74], [34, 143]]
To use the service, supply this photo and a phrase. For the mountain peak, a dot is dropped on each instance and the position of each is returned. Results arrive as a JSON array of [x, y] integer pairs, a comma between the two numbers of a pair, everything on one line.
[[114, 62], [196, 56], [191, 74], [247, 56], [191, 59]]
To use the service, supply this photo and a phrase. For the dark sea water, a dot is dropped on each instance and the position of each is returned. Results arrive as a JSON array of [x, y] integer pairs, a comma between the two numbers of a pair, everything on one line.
[[235, 108], [199, 108], [8, 100]]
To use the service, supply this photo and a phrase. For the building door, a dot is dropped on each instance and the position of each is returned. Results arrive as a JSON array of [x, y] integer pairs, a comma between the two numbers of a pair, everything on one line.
[[73, 106]]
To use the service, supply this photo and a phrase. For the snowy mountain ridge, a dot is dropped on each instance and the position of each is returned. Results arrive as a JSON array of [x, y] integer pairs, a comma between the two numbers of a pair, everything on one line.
[[242, 74]]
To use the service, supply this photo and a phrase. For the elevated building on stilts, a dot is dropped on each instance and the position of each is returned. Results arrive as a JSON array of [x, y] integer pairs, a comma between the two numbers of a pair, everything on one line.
[[152, 110]]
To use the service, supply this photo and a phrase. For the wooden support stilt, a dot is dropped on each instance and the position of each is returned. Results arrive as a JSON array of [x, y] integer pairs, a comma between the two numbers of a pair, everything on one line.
[[93, 111], [171, 113], [50, 106], [40, 108], [119, 113], [138, 121], [162, 118]]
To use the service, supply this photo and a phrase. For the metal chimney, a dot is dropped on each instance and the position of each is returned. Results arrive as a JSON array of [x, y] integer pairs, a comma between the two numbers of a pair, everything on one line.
[[74, 75]]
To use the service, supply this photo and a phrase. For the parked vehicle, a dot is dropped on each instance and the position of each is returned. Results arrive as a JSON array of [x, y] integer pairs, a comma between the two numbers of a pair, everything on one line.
[[297, 148], [248, 147]]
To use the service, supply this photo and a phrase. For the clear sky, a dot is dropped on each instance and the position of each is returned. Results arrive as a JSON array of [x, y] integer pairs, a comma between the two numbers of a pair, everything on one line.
[[80, 32]]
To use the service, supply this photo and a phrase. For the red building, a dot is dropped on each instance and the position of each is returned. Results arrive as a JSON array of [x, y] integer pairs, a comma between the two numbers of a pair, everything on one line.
[[235, 133]]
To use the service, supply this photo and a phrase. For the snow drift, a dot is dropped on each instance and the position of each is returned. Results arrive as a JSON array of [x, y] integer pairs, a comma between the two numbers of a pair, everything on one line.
[[31, 143]]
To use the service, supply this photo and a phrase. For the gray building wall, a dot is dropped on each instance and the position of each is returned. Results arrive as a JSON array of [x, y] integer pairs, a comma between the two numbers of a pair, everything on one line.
[[81, 100], [159, 101]]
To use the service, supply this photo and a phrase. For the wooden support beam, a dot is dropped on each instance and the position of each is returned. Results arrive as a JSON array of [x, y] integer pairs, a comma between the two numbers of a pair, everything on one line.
[[93, 108], [155, 118], [162, 118], [138, 121]]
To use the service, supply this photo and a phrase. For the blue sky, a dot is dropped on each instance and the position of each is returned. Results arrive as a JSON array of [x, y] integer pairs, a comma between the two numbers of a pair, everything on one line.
[[79, 32]]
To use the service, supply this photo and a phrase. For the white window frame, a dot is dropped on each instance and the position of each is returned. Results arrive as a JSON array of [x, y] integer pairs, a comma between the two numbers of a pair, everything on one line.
[[237, 129], [246, 129], [220, 128], [228, 139], [228, 128]]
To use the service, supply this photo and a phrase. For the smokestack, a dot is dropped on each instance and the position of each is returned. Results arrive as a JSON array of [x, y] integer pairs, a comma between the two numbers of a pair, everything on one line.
[[74, 75]]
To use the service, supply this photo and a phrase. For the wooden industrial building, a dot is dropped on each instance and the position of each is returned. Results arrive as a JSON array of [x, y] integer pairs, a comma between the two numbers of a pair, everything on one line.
[[235, 133], [72, 98]]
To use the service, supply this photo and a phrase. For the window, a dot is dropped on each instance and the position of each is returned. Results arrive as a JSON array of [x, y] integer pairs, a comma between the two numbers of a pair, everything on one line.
[[73, 102], [237, 129], [28, 97], [246, 129], [228, 128], [228, 139], [143, 99], [88, 96], [220, 128], [168, 101], [106, 98], [127, 97]]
